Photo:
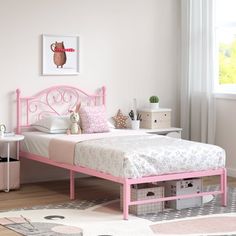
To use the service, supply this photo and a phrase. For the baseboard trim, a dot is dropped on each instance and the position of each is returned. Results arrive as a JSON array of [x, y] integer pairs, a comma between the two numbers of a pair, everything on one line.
[[48, 179], [231, 172]]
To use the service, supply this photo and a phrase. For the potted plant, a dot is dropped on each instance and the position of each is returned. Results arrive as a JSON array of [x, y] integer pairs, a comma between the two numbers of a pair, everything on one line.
[[154, 102]]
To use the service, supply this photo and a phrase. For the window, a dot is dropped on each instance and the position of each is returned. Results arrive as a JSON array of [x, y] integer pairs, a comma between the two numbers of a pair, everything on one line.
[[225, 46]]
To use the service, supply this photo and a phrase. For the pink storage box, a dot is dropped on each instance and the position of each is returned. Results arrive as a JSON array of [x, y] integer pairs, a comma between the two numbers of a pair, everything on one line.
[[14, 173]]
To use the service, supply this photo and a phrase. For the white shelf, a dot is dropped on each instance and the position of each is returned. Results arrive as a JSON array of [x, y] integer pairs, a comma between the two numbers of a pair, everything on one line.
[[171, 129]]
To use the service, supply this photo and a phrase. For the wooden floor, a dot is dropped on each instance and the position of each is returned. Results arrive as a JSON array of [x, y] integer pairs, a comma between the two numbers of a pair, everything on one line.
[[58, 192]]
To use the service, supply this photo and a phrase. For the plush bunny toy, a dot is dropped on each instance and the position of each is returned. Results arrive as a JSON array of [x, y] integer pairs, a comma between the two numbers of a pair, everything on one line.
[[74, 117]]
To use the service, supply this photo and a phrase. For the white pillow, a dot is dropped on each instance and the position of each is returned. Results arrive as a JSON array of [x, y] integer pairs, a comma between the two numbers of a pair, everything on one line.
[[53, 124]]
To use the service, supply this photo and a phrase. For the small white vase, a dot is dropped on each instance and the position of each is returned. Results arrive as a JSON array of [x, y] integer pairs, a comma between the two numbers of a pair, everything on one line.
[[154, 106]]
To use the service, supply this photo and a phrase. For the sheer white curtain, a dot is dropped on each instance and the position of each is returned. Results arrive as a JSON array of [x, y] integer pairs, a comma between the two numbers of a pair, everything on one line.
[[197, 70]]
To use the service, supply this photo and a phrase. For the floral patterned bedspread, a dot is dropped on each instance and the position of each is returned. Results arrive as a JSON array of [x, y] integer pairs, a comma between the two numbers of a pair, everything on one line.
[[145, 155]]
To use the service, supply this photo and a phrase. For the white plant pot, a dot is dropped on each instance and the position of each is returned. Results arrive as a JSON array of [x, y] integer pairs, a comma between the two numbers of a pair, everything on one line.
[[154, 105]]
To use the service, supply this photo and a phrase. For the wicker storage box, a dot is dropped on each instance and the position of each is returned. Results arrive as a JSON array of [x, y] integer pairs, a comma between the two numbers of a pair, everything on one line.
[[155, 119], [14, 173], [144, 192]]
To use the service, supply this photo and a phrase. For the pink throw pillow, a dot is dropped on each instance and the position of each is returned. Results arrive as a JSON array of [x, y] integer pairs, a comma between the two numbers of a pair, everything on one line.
[[93, 119]]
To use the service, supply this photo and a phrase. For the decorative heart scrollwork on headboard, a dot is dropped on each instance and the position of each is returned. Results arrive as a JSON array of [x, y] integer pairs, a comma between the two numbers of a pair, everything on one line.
[[57, 101]]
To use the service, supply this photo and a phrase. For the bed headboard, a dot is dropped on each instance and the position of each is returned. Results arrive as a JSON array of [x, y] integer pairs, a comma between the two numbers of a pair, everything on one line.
[[56, 100]]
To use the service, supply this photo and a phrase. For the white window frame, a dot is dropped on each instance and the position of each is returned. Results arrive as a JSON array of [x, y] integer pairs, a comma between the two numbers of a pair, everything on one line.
[[222, 90]]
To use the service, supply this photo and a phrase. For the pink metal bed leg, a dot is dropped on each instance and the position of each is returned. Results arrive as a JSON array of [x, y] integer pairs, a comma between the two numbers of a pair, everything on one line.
[[223, 185], [72, 185], [126, 200]]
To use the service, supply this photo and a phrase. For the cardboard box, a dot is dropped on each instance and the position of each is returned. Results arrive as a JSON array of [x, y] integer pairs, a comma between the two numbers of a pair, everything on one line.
[[14, 173], [144, 192]]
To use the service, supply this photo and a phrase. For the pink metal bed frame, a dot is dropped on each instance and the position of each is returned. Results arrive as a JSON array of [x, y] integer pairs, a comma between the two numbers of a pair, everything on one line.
[[48, 102]]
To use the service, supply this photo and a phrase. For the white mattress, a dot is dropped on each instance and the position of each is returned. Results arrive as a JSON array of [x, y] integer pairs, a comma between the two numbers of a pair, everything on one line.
[[121, 155], [37, 142]]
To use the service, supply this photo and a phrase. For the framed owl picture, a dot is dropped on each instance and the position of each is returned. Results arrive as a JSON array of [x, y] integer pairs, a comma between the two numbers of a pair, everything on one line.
[[60, 55]]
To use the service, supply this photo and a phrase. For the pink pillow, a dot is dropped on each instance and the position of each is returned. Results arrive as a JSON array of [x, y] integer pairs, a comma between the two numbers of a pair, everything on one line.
[[93, 119]]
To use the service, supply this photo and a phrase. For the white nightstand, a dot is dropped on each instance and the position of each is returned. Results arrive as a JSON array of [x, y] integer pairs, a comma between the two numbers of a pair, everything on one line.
[[8, 140], [171, 132]]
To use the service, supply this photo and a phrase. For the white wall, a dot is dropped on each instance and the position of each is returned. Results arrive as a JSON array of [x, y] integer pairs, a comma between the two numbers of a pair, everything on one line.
[[226, 131], [131, 46]]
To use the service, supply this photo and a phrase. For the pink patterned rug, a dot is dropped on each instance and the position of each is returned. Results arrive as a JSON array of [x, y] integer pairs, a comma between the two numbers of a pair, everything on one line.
[[106, 219], [216, 225]]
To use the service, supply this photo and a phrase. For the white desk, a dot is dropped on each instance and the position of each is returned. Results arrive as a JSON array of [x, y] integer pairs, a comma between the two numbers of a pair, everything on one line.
[[171, 132]]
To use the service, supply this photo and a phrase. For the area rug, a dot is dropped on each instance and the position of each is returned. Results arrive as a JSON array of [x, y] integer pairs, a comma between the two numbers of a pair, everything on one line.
[[103, 217]]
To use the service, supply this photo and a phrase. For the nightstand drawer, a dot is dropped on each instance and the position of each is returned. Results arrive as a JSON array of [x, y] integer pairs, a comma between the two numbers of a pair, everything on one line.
[[154, 124]]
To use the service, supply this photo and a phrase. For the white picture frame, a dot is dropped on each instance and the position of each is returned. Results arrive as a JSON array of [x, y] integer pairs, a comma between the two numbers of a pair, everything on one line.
[[60, 55]]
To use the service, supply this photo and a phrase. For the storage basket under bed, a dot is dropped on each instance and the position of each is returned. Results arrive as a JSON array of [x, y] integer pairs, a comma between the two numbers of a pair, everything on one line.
[[144, 192], [14, 175]]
